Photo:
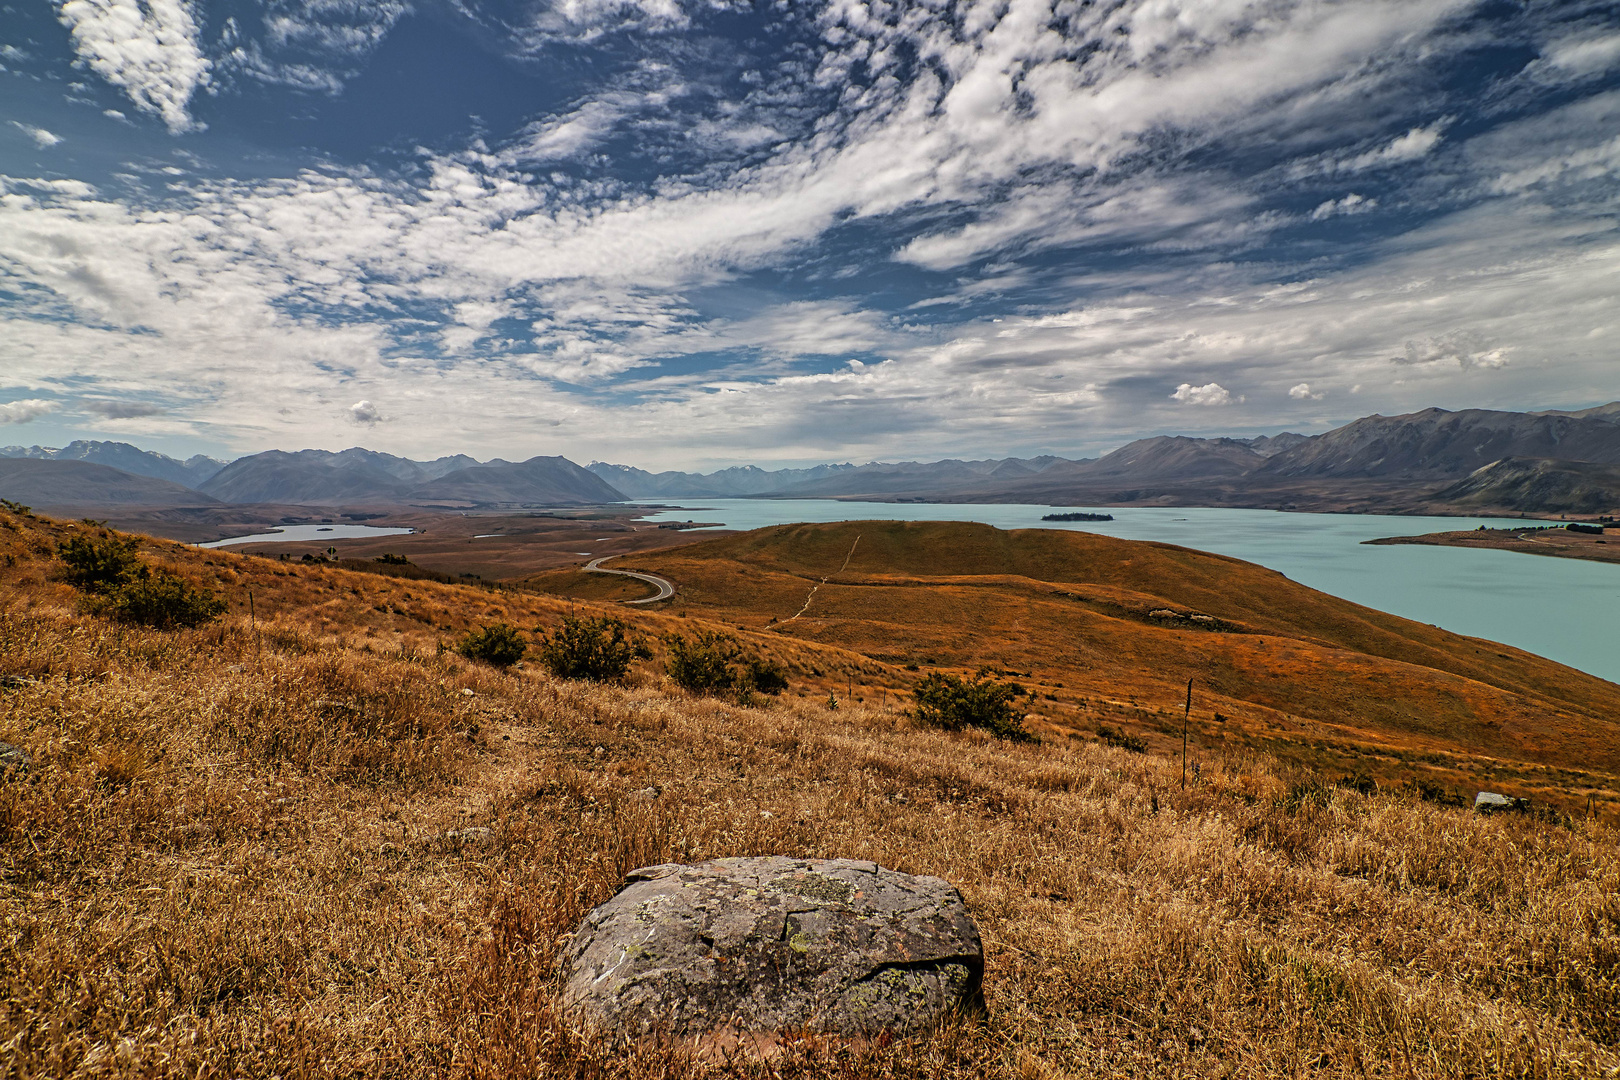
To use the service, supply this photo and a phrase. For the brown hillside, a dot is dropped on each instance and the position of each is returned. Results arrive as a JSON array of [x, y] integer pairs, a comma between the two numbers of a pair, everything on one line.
[[1110, 630], [310, 843]]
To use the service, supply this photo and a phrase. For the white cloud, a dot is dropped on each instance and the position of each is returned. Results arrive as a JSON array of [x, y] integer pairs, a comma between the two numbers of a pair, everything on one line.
[[42, 138], [1416, 144], [20, 412], [147, 48], [582, 20], [1466, 349], [1583, 55], [310, 44], [1350, 204], [1208, 394], [334, 26], [364, 412], [1302, 392], [1409, 147]]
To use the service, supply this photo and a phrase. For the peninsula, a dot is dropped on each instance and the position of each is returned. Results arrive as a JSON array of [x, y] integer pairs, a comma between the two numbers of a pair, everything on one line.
[[1558, 541]]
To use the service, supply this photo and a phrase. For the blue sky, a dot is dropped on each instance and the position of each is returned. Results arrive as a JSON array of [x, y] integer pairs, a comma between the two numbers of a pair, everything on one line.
[[688, 233]]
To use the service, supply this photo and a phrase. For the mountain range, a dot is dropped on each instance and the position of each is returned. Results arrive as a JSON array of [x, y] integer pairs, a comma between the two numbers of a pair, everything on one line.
[[354, 477], [1467, 461], [126, 458], [1433, 460]]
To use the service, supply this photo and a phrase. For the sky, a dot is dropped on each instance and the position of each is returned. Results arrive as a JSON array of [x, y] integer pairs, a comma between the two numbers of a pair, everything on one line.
[[693, 233]]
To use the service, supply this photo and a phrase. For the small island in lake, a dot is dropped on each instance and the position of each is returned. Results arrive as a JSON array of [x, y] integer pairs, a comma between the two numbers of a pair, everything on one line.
[[1575, 540], [1078, 517]]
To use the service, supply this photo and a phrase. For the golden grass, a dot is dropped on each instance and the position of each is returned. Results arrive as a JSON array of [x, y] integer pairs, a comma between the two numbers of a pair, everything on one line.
[[249, 854], [1102, 628]]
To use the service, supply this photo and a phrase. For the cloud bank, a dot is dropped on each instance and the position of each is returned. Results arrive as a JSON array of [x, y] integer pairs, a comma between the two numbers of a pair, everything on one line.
[[916, 228]]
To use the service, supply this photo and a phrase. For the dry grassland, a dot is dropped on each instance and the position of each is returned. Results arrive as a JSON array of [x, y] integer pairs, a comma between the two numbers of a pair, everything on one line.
[[265, 853], [1108, 632]]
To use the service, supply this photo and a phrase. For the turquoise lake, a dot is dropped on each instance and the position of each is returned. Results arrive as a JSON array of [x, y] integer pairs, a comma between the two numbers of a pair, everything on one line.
[[1565, 609]]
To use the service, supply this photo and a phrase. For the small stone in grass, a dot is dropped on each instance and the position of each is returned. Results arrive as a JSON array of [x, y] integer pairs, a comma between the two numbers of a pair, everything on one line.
[[14, 761]]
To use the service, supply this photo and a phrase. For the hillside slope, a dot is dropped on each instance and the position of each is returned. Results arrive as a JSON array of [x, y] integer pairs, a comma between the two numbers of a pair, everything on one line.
[[1435, 444], [301, 478], [539, 480], [1539, 485], [312, 843], [1110, 630], [83, 485]]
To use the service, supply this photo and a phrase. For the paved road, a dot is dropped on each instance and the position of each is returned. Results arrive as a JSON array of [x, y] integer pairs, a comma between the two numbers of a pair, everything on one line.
[[665, 588]]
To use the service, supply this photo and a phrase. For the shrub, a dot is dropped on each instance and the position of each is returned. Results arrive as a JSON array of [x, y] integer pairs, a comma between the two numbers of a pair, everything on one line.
[[714, 663], [703, 665], [102, 563], [1360, 781], [160, 599], [497, 644], [765, 676], [390, 559], [1114, 737], [954, 703], [589, 648]]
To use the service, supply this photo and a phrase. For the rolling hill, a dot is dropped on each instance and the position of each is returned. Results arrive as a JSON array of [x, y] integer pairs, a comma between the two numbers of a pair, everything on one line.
[[309, 838], [1110, 630], [539, 480]]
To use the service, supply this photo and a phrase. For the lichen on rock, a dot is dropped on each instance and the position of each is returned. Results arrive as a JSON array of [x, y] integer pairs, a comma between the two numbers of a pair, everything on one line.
[[757, 946]]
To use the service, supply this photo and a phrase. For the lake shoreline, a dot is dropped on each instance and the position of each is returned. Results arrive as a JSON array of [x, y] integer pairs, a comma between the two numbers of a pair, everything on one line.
[[1564, 609], [1554, 542]]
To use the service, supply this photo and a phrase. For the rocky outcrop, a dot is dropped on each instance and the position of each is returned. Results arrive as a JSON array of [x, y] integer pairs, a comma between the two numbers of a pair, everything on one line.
[[758, 946]]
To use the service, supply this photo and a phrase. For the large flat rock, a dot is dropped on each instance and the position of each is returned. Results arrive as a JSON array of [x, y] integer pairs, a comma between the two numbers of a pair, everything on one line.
[[757, 946]]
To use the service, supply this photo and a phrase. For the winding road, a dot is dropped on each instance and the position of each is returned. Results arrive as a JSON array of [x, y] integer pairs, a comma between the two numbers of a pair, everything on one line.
[[665, 588]]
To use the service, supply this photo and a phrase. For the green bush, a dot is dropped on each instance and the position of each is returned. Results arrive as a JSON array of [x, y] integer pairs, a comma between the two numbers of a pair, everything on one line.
[[764, 676], [99, 564], [589, 648], [703, 665], [714, 663], [497, 644], [1114, 737], [160, 599], [954, 703]]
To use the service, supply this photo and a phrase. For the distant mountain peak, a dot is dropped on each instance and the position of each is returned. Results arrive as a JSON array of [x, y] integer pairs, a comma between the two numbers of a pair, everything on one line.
[[125, 458]]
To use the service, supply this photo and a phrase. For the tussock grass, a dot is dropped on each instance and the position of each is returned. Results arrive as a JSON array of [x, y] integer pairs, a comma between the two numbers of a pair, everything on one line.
[[261, 854]]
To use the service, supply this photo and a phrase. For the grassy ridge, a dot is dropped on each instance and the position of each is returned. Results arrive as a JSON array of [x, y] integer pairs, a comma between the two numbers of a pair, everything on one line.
[[260, 849], [1110, 630]]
